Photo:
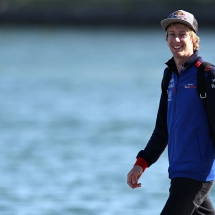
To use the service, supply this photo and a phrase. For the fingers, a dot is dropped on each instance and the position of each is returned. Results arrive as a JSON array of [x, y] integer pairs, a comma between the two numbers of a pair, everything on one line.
[[132, 180], [133, 177]]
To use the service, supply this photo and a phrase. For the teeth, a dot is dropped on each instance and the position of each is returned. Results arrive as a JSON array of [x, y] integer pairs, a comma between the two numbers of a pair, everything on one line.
[[177, 47]]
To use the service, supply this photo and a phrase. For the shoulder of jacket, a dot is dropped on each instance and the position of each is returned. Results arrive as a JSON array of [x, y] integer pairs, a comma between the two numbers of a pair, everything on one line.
[[210, 69], [210, 72], [210, 78], [208, 66]]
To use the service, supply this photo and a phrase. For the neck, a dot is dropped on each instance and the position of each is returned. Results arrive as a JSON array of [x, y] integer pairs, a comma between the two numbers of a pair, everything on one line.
[[179, 65], [179, 62]]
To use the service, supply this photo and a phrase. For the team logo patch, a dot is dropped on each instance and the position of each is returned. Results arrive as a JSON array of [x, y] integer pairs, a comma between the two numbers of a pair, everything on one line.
[[178, 15]]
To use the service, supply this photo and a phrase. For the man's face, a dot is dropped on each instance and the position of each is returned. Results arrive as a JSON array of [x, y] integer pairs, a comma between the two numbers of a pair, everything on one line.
[[179, 41]]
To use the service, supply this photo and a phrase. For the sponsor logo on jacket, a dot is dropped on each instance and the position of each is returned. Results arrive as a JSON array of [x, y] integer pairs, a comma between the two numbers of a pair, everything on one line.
[[171, 83], [190, 85], [169, 95], [213, 85]]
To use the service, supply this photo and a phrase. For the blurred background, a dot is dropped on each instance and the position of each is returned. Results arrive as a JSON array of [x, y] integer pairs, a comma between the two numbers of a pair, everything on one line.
[[79, 91], [99, 12]]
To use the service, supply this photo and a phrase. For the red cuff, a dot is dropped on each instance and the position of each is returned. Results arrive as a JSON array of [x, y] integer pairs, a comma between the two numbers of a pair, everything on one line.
[[141, 162]]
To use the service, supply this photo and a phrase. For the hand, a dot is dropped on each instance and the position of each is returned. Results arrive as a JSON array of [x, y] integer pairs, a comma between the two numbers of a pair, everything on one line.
[[133, 177]]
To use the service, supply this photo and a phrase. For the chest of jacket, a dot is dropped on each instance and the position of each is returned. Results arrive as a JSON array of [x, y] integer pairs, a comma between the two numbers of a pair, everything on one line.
[[186, 113]]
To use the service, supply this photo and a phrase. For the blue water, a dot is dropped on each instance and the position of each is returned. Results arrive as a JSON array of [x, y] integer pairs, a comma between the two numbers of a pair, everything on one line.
[[76, 106]]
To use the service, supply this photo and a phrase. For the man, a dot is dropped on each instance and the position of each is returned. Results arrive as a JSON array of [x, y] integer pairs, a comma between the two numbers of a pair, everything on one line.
[[182, 124]]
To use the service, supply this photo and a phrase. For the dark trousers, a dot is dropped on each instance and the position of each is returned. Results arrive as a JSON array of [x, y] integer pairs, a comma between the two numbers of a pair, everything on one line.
[[188, 197]]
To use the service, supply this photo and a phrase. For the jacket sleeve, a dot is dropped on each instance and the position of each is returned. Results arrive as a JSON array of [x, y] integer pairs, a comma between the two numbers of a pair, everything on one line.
[[210, 88], [159, 138]]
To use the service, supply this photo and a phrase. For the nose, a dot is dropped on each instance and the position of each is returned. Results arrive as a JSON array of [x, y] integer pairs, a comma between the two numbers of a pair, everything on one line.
[[177, 39]]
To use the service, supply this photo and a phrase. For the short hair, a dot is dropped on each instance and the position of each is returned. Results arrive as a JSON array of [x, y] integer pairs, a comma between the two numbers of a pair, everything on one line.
[[192, 34]]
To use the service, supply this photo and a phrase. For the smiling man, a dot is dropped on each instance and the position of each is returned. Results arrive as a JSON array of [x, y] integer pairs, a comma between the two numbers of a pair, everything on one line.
[[182, 124]]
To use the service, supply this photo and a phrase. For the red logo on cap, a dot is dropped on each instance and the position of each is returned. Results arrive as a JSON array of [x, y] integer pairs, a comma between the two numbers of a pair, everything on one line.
[[178, 15]]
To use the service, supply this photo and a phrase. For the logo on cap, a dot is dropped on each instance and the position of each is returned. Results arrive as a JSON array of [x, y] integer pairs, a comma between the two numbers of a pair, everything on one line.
[[178, 15]]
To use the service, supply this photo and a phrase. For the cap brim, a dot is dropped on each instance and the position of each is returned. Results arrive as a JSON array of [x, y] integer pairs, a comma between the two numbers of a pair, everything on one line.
[[166, 22]]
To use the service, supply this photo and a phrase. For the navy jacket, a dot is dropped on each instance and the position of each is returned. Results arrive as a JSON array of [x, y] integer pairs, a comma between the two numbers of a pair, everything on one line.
[[182, 124]]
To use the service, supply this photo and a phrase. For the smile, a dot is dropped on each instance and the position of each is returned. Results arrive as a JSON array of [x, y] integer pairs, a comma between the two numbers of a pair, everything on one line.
[[177, 47]]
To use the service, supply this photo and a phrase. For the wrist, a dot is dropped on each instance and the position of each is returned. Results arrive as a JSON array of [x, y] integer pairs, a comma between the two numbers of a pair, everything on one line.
[[141, 162]]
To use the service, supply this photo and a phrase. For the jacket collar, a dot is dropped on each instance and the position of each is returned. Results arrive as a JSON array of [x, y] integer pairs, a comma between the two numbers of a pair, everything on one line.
[[192, 60]]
